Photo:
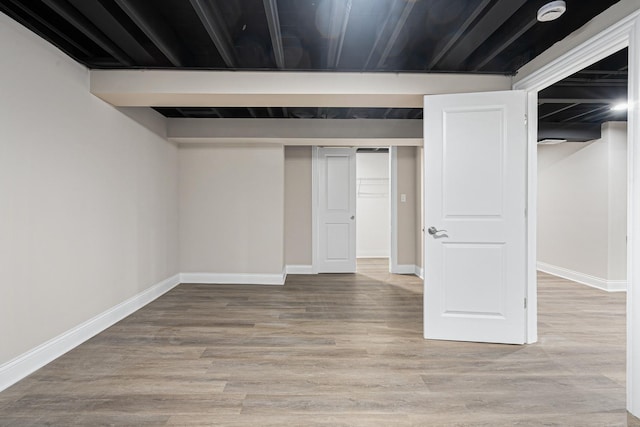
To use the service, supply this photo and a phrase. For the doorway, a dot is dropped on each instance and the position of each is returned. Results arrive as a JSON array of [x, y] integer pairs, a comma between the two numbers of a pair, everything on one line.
[[373, 208], [582, 175], [606, 40], [404, 215]]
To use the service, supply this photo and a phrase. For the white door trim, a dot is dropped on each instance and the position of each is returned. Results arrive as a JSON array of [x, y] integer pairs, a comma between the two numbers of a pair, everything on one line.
[[625, 33], [393, 203], [393, 206], [314, 209]]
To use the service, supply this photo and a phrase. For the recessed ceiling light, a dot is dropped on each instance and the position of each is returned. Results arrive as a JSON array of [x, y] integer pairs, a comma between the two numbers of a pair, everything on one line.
[[551, 11], [620, 107]]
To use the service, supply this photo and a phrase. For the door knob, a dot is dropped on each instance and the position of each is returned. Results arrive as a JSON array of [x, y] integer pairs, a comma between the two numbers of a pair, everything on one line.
[[353, 217], [432, 231]]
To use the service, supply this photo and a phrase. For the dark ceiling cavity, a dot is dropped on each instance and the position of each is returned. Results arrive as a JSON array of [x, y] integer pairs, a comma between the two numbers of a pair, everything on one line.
[[575, 108], [488, 36], [402, 36]]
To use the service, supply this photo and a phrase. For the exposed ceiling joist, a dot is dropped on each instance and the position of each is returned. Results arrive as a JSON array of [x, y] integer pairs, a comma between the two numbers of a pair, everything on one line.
[[601, 72], [402, 20], [340, 19], [217, 30], [598, 82], [499, 13], [273, 20], [383, 31], [489, 56], [437, 56], [101, 13], [558, 110], [155, 29], [591, 111], [75, 18], [52, 28], [574, 100], [183, 112], [559, 91], [605, 115]]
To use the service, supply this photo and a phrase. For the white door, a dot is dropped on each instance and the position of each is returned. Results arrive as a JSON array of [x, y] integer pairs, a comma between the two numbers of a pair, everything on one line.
[[336, 210], [475, 191]]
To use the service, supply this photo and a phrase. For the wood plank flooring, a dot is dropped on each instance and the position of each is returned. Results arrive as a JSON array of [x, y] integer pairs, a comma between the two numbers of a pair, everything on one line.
[[332, 350]]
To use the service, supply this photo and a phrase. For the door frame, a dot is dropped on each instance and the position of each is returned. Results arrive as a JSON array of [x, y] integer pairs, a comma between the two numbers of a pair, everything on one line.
[[622, 34], [393, 188]]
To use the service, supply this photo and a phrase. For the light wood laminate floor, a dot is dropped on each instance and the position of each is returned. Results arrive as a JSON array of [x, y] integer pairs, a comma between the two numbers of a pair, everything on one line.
[[332, 350]]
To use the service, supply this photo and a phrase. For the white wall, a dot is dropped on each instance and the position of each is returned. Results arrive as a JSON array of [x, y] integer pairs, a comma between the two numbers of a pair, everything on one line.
[[231, 209], [88, 197], [616, 135], [582, 207], [373, 227], [407, 230], [298, 206]]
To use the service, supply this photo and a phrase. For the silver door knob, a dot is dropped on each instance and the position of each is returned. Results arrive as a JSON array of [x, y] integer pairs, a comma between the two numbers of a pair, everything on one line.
[[433, 230], [353, 217]]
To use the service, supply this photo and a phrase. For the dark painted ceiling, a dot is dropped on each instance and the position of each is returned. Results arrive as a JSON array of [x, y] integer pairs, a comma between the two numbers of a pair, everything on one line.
[[474, 36], [575, 108]]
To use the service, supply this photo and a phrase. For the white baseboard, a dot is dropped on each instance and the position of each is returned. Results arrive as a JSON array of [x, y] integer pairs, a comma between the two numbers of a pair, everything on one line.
[[585, 279], [419, 272], [403, 269], [234, 278], [29, 362], [300, 269]]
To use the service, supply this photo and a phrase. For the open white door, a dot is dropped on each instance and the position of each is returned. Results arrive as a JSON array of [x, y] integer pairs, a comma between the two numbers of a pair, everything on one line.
[[475, 191], [336, 210]]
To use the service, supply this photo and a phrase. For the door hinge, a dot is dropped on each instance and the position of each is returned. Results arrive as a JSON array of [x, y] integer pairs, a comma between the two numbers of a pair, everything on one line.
[[525, 303], [526, 120]]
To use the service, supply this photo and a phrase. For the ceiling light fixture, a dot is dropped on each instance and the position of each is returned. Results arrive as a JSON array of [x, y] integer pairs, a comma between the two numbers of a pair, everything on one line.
[[623, 106], [552, 10]]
